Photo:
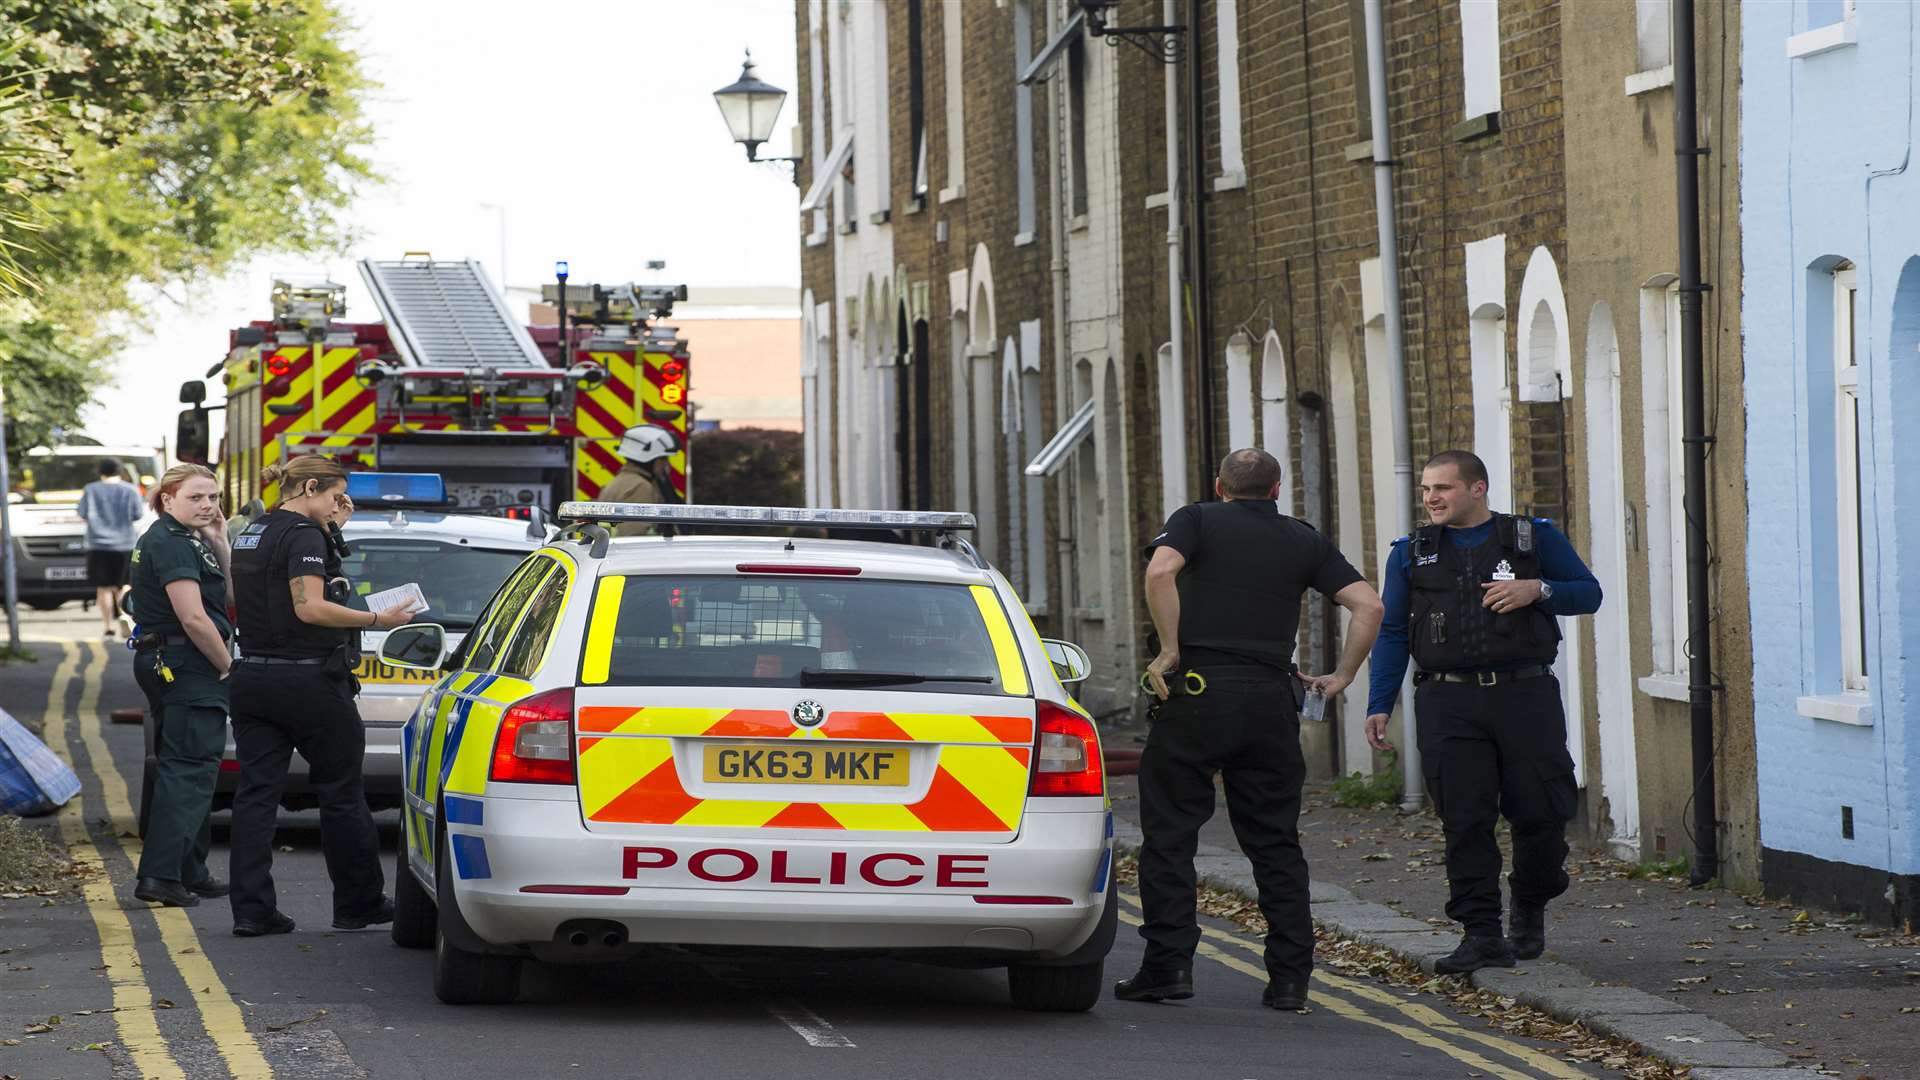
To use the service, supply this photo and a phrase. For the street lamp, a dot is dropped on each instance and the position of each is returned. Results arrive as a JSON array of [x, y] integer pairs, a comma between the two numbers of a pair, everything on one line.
[[750, 106]]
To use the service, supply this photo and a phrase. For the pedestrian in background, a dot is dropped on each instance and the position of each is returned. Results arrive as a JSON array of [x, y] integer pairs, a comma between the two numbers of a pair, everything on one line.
[[293, 689], [1472, 596], [1224, 584], [111, 507], [181, 588]]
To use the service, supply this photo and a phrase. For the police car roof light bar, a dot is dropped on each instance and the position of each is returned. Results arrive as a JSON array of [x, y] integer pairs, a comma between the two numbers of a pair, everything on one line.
[[770, 516], [377, 490]]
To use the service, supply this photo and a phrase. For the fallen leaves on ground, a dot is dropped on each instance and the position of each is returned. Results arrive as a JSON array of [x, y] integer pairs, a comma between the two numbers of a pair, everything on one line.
[[1357, 959]]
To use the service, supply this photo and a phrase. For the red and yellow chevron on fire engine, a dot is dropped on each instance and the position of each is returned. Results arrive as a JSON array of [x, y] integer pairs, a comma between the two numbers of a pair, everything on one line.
[[508, 414]]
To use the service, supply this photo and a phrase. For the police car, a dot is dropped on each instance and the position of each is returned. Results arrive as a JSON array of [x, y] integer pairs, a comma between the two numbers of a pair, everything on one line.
[[731, 741], [403, 531]]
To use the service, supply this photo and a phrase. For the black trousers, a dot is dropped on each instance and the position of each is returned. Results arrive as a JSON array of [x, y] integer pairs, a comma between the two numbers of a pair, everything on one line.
[[1488, 751], [188, 739], [1247, 728], [277, 709]]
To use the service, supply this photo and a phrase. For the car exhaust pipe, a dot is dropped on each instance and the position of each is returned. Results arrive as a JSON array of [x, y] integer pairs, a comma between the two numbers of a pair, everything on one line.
[[591, 934]]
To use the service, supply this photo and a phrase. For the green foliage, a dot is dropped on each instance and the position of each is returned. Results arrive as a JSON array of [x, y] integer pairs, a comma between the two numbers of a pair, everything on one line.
[[1380, 789], [1674, 867], [149, 143], [749, 467]]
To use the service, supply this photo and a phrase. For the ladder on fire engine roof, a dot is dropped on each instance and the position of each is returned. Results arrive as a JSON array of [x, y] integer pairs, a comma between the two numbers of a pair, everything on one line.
[[447, 315]]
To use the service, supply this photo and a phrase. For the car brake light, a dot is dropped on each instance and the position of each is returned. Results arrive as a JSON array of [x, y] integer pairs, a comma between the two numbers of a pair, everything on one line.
[[1067, 758], [797, 568], [535, 741]]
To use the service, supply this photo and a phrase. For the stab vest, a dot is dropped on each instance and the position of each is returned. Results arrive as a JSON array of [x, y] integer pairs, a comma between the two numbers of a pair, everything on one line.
[[1449, 629], [268, 626]]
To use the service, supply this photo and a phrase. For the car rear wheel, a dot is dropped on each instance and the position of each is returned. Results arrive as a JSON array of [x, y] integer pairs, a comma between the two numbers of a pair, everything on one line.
[[461, 977], [1069, 988], [414, 919]]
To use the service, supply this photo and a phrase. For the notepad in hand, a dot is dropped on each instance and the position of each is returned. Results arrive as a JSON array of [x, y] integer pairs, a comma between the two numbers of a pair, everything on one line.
[[406, 597]]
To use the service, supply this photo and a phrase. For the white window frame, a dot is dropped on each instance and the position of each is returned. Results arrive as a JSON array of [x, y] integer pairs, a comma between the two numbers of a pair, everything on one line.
[[1239, 391], [1653, 34], [1173, 431], [1834, 35], [1665, 464], [952, 52], [1233, 162], [1023, 121], [1480, 57], [1677, 482], [1847, 502]]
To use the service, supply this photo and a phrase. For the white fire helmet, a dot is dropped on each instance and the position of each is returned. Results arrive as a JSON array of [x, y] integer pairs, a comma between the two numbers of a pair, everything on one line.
[[643, 443]]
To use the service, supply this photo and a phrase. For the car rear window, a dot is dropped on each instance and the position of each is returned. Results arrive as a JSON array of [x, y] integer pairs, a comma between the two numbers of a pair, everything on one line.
[[728, 631]]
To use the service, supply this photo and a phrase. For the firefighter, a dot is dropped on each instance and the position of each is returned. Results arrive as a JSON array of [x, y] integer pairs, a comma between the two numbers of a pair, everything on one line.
[[644, 477], [181, 588], [1223, 585], [293, 689], [1472, 596]]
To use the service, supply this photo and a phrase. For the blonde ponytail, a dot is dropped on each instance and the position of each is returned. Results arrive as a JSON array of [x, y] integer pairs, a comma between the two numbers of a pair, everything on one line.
[[297, 471]]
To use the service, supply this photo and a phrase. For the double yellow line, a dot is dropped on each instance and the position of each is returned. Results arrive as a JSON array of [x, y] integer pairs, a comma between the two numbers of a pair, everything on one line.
[[1427, 1027], [132, 995]]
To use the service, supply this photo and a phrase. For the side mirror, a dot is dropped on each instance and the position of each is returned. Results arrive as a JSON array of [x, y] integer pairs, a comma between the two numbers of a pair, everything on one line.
[[1070, 661], [192, 435], [422, 646], [193, 392]]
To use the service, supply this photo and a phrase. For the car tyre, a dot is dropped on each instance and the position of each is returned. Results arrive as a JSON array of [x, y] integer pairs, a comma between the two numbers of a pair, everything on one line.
[[461, 977], [1066, 988], [414, 919]]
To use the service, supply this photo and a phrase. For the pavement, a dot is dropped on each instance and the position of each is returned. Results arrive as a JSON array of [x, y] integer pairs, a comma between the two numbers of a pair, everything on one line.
[[1737, 987], [94, 984]]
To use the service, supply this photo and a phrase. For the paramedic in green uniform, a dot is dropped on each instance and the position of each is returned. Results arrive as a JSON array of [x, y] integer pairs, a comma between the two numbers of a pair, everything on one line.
[[181, 590]]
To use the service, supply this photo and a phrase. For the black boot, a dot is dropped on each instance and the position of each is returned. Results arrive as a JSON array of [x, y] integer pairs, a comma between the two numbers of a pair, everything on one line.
[[1527, 931], [1476, 951], [1148, 984], [210, 887], [275, 923], [382, 914], [170, 893], [1287, 995]]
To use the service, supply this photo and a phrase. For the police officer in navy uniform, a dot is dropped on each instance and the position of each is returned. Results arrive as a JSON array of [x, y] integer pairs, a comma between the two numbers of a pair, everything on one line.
[[181, 590], [1224, 583], [1473, 596], [293, 689]]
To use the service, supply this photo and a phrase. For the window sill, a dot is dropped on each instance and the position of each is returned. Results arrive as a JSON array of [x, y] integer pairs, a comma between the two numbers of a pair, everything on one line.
[[1853, 708], [815, 239], [1361, 151], [1022, 239], [1838, 35], [1643, 82], [916, 205], [848, 228], [1090, 614], [1038, 610], [1233, 181], [880, 217], [953, 194], [1077, 223], [1666, 687], [1475, 127], [1156, 201]]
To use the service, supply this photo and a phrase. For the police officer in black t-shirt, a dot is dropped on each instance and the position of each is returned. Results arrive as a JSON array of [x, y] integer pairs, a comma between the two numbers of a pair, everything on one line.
[[181, 590], [293, 689], [1224, 585]]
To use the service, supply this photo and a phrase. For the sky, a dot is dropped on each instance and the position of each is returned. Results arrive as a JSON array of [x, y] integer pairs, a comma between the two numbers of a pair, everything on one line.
[[582, 130]]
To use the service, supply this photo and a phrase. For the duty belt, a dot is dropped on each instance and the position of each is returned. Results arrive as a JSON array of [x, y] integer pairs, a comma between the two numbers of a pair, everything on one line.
[[154, 639], [304, 661], [1484, 678]]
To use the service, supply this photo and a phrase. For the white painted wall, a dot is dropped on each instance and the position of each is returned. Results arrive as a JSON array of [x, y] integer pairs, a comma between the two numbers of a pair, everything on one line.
[[1276, 415], [1487, 350], [1240, 392], [1480, 56], [1346, 480]]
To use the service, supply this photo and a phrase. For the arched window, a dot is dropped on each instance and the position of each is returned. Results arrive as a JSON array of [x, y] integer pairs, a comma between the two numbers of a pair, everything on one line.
[[1612, 648], [1487, 353], [1239, 391], [1276, 424]]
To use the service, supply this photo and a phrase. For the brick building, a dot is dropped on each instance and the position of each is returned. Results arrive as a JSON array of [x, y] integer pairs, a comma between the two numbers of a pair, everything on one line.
[[1033, 170]]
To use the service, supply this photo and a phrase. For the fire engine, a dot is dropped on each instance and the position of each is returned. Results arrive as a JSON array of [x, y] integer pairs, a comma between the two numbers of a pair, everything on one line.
[[510, 416]]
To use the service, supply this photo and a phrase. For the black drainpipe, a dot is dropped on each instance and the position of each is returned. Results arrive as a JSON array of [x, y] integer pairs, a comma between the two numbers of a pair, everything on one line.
[[1202, 293], [1700, 684]]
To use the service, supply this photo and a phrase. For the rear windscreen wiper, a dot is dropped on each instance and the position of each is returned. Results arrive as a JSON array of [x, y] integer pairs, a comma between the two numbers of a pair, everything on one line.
[[816, 677]]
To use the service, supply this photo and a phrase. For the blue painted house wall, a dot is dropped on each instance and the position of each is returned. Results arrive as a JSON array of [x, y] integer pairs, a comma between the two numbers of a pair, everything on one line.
[[1827, 174]]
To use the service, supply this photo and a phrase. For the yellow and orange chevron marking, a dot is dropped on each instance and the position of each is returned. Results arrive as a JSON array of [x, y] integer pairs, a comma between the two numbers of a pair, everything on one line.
[[603, 414], [312, 401], [627, 773]]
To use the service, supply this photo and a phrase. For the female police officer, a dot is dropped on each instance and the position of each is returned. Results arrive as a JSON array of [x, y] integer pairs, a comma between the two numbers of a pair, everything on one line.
[[181, 589], [293, 690]]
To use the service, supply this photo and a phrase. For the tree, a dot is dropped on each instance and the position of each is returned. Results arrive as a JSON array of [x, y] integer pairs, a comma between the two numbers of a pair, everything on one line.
[[749, 467], [150, 143]]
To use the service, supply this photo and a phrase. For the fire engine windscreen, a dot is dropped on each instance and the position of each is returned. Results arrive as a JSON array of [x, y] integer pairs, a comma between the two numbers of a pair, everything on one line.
[[457, 580], [719, 631]]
